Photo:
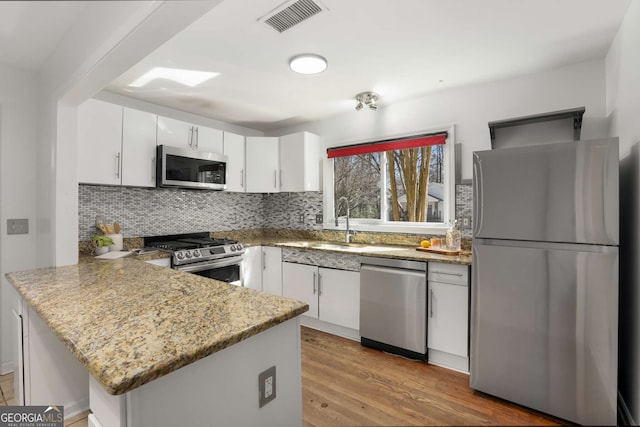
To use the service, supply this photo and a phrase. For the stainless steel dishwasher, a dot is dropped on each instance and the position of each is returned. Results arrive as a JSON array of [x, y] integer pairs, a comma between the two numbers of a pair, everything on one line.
[[393, 306]]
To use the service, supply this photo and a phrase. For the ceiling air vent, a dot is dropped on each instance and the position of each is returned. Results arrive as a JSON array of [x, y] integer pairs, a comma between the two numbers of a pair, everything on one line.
[[291, 13]]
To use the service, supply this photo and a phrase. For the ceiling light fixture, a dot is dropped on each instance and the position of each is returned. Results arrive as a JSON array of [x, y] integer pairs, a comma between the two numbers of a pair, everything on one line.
[[367, 98], [308, 63], [189, 78]]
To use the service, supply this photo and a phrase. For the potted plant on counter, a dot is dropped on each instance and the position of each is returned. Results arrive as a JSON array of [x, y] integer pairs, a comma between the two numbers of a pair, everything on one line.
[[102, 244]]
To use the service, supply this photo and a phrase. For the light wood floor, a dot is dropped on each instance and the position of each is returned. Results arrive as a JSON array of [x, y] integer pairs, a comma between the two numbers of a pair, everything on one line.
[[345, 384]]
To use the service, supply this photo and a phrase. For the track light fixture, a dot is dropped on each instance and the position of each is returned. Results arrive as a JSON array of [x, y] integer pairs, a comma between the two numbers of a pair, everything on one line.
[[367, 98]]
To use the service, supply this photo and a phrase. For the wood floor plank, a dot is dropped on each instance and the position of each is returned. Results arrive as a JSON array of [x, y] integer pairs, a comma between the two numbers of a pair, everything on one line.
[[351, 379]]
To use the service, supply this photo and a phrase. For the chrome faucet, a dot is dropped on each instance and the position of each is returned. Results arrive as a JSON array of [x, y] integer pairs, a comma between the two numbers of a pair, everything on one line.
[[348, 233]]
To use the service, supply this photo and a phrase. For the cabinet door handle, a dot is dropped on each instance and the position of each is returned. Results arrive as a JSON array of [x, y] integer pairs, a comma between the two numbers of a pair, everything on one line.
[[241, 177], [191, 136], [314, 282], [447, 273], [430, 303], [319, 284], [264, 260], [280, 178], [118, 165], [153, 169], [275, 179], [197, 136]]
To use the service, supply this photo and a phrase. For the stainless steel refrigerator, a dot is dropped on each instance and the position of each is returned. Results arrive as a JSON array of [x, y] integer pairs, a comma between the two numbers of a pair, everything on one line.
[[544, 296]]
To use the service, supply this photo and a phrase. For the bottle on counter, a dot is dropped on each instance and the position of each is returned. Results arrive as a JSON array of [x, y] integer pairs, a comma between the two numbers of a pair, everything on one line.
[[453, 237]]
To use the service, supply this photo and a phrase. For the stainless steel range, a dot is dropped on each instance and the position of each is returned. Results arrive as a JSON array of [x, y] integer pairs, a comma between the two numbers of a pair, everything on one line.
[[197, 253]]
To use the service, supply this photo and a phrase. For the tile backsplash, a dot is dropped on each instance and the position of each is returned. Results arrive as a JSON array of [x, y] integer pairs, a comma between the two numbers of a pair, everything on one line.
[[158, 211], [152, 212], [464, 207]]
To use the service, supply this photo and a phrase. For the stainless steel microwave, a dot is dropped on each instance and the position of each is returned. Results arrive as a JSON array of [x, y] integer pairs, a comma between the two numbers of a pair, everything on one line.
[[188, 168]]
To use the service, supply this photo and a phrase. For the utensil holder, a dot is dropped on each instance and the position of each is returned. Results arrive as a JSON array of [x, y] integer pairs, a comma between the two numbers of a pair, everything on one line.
[[117, 242]]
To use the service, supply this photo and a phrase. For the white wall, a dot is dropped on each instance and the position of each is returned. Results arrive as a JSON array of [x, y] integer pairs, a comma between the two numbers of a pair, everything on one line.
[[471, 108], [623, 107], [18, 139]]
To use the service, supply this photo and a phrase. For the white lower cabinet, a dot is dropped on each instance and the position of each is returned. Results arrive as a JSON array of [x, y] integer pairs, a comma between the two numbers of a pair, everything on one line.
[[252, 268], [333, 295], [339, 297], [46, 371], [448, 311], [262, 269]]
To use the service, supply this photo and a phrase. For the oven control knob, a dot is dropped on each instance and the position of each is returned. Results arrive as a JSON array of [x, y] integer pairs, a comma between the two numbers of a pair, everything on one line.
[[239, 246], [188, 254], [180, 255], [196, 253], [233, 248]]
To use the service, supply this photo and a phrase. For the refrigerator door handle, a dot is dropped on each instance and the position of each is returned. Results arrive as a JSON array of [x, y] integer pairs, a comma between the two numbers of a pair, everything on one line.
[[477, 195]]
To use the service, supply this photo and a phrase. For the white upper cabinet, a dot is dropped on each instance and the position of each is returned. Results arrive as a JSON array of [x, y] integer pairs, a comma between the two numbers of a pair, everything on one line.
[[177, 133], [300, 162], [262, 164], [209, 140], [138, 148], [99, 143], [234, 150]]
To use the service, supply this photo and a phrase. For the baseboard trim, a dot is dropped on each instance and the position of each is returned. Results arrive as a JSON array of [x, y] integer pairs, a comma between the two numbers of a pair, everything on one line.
[[330, 328], [71, 409], [624, 416], [7, 367]]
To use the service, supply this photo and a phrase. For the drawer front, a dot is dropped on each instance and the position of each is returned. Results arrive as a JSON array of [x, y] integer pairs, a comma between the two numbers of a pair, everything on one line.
[[454, 274]]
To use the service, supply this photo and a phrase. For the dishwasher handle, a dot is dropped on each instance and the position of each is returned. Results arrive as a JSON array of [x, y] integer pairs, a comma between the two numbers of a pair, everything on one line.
[[393, 263], [389, 270]]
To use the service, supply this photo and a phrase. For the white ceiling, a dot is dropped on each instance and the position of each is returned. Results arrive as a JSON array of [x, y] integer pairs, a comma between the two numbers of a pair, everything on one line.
[[398, 48]]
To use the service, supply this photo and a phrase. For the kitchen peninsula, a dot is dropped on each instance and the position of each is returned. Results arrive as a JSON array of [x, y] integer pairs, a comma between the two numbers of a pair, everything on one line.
[[165, 347]]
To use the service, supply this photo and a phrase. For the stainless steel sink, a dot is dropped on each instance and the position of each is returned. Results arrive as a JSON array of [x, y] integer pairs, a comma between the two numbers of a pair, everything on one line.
[[341, 247]]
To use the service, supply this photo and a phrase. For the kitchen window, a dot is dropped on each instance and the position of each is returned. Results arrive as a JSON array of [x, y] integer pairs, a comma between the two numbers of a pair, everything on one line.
[[399, 184]]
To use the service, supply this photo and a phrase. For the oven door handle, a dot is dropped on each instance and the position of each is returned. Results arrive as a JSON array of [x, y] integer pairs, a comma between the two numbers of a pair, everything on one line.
[[201, 266]]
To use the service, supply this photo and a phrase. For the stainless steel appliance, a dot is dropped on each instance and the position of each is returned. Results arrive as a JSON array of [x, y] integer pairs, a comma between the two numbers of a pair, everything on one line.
[[188, 168], [393, 306], [197, 253], [544, 329]]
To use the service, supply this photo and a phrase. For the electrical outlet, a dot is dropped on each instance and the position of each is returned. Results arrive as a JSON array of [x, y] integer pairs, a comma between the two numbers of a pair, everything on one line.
[[318, 218], [17, 226], [301, 218], [266, 386]]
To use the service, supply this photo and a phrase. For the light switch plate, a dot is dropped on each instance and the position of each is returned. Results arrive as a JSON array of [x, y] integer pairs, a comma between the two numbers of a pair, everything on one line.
[[17, 226]]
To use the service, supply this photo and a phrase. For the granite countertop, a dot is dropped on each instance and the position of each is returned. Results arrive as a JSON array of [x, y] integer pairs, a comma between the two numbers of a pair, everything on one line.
[[129, 322], [397, 252]]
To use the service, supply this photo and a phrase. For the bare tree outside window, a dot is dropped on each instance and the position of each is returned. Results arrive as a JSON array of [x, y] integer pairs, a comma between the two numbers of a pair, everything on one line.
[[358, 179], [415, 184]]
